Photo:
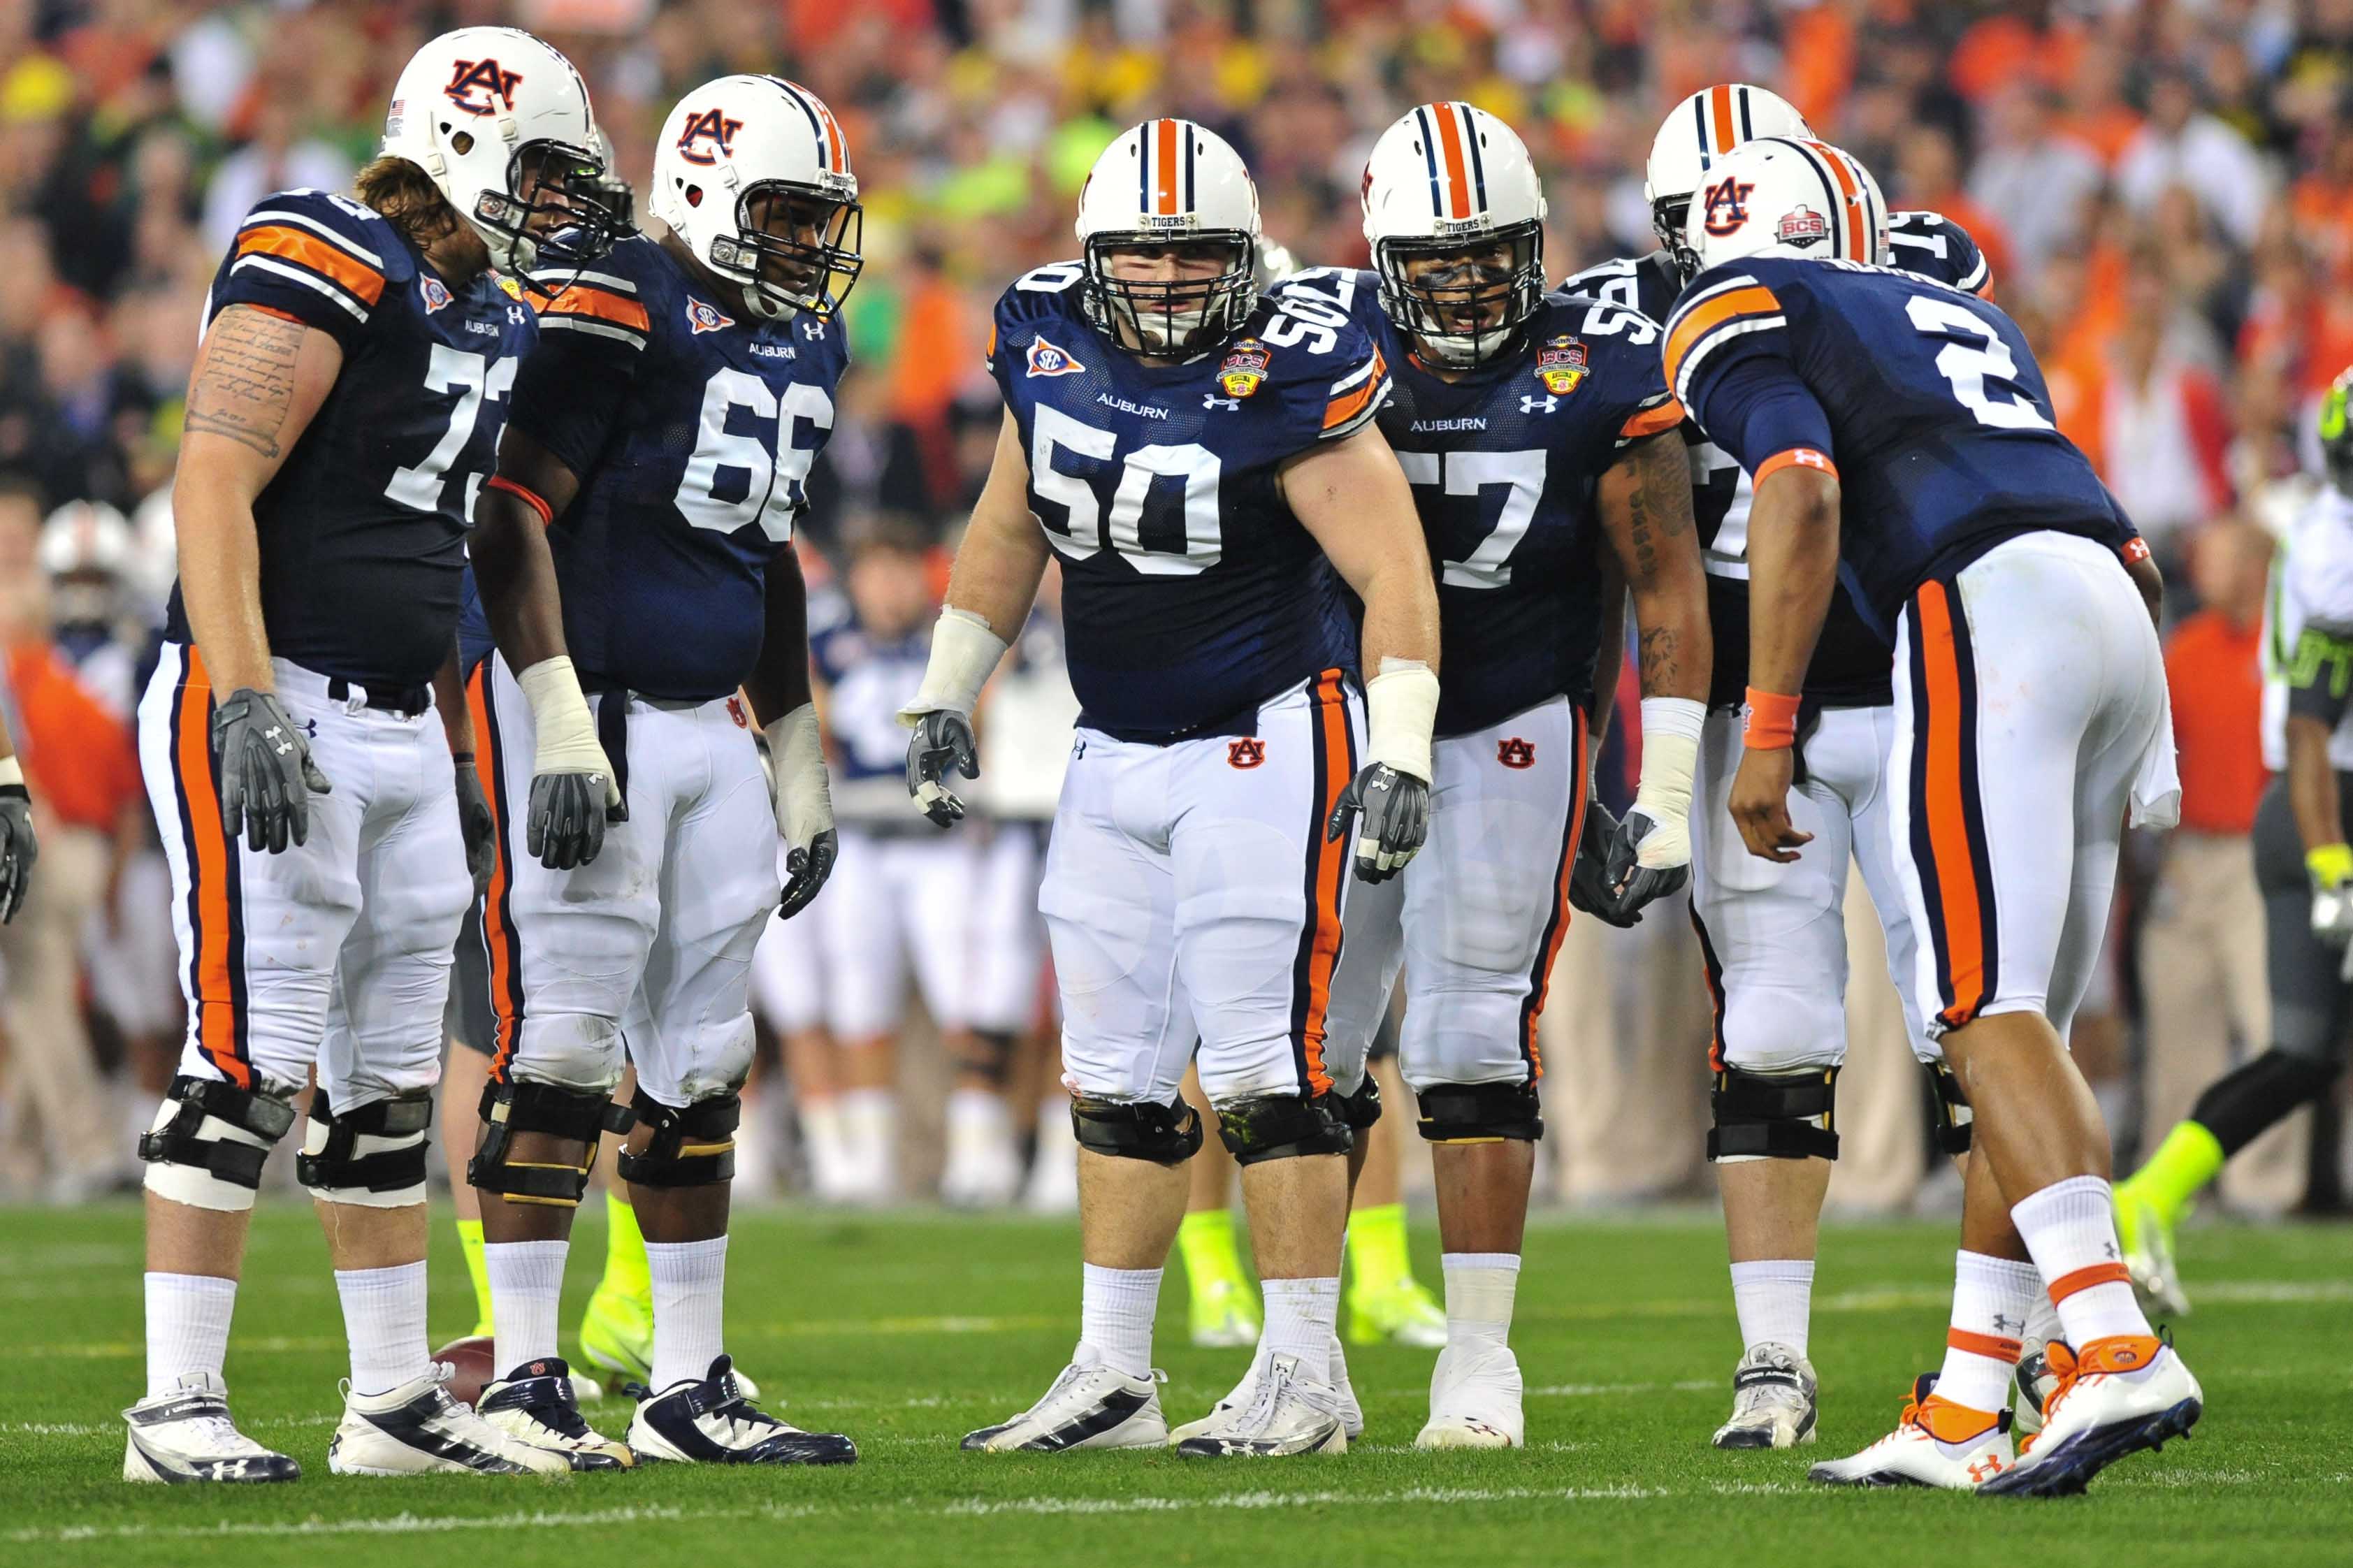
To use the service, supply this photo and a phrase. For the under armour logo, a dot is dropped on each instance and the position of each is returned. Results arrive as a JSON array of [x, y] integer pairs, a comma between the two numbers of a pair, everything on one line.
[[2002, 1325], [1985, 1469], [2109, 1247], [812, 330], [1211, 400], [1539, 405], [276, 739]]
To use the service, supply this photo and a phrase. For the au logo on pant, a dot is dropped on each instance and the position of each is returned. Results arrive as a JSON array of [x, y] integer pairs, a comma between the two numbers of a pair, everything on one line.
[[1246, 753], [1515, 752]]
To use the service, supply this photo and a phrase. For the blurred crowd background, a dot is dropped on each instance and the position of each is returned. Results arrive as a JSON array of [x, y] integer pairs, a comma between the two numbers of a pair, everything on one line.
[[2165, 191]]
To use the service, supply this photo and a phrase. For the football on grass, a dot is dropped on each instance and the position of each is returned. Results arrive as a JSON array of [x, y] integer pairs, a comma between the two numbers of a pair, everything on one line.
[[475, 1363]]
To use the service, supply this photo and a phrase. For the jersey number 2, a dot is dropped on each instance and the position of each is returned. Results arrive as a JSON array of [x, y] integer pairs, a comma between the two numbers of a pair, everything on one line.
[[1974, 356]]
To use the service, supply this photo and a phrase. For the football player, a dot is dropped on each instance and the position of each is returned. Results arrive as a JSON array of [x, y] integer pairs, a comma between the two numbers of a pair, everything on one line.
[[1900, 432], [663, 436], [1542, 450], [1774, 937], [2302, 862], [18, 848], [347, 395], [1204, 461]]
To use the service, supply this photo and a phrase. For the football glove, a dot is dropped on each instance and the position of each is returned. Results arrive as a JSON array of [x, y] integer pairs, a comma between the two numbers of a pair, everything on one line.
[[267, 776], [574, 792], [1395, 809], [942, 740], [18, 848], [1589, 882], [1630, 884], [804, 802], [475, 822], [2331, 867]]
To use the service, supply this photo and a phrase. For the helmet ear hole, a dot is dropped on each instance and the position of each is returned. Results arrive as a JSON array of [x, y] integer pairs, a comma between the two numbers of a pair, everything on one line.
[[462, 142], [694, 195]]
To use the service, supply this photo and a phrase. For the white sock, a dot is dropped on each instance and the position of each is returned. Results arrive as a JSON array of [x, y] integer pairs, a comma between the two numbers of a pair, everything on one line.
[[187, 1327], [1300, 1315], [383, 1318], [690, 1308], [2042, 1318], [1479, 1288], [980, 1113], [1775, 1299], [526, 1288], [1115, 1313], [870, 1137], [2070, 1227], [822, 1136], [1991, 1299]]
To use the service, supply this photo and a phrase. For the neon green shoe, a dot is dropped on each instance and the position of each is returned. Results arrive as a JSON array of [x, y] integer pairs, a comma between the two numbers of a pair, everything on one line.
[[1225, 1315], [2144, 1229], [617, 1332], [1404, 1314]]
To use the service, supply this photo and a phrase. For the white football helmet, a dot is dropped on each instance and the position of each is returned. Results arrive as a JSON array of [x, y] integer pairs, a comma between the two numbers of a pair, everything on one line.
[[86, 553], [1453, 187], [1782, 196], [1161, 184], [1702, 128], [752, 173], [499, 122]]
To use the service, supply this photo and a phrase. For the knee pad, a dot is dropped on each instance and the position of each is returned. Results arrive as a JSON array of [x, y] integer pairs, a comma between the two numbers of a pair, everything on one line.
[[1362, 1109], [1137, 1129], [581, 1050], [511, 1108], [1480, 1112], [692, 1147], [374, 1156], [1284, 1126], [990, 1052], [1953, 1113], [208, 1140], [1774, 1116]]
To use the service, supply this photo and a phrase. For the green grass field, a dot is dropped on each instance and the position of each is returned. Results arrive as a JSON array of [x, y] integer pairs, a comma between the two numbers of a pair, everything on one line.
[[908, 1330]]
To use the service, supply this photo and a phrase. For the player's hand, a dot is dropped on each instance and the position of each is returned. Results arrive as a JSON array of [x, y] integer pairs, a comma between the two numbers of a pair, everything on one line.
[[1588, 879], [2331, 869], [569, 809], [942, 740], [805, 871], [475, 822], [804, 802], [1627, 882], [1395, 807], [267, 776], [1760, 803], [18, 849]]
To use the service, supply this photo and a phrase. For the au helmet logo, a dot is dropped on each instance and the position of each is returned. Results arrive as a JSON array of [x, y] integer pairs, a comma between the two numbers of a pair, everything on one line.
[[1246, 753], [1244, 370], [481, 86], [1515, 752], [703, 317], [1725, 205], [707, 137], [1045, 359]]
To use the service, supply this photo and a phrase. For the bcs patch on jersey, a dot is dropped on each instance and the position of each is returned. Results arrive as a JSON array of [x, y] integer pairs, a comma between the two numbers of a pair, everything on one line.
[[1561, 365], [1243, 370], [1515, 752], [1245, 752], [1725, 205], [435, 293], [1802, 226], [475, 86], [703, 317], [1045, 359]]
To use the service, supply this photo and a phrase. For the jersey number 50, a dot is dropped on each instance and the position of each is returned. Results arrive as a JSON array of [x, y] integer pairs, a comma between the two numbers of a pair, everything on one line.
[[1082, 532]]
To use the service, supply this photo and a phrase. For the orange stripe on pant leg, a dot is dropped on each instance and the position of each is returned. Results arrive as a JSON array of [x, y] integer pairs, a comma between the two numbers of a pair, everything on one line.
[[1561, 911], [1948, 830], [498, 936], [1331, 865], [211, 859]]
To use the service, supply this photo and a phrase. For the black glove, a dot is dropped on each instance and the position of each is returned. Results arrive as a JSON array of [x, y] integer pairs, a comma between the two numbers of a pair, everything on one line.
[[942, 740], [267, 776], [1589, 881], [805, 871], [17, 849], [1396, 811], [474, 821], [566, 826], [1630, 886]]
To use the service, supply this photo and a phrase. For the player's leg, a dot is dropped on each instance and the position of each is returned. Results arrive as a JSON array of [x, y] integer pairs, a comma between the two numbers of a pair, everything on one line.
[[256, 936], [617, 1326], [788, 991], [1385, 1301], [471, 1029], [1109, 900], [959, 898], [863, 926], [1224, 1310], [2310, 1005]]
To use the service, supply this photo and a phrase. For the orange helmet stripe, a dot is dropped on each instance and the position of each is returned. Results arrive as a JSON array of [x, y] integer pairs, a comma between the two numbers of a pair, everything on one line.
[[1458, 169]]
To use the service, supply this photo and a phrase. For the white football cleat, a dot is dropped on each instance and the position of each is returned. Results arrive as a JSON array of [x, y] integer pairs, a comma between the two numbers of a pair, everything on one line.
[[1773, 1403], [535, 1403], [1289, 1413], [187, 1435], [713, 1421], [1088, 1405], [2117, 1398], [418, 1429], [1937, 1444], [1352, 1415], [1474, 1400]]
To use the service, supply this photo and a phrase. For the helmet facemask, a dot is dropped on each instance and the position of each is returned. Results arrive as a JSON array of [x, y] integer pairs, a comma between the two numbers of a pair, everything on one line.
[[1463, 299], [794, 247], [1668, 215], [556, 215], [1173, 317], [2336, 432]]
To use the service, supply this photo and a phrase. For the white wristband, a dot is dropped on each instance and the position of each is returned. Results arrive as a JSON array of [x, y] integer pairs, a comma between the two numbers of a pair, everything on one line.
[[565, 733], [12, 771], [964, 654], [1401, 712], [1671, 733], [803, 796]]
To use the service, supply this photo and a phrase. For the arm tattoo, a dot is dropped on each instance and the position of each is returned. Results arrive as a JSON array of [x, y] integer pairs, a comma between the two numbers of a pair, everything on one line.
[[245, 378], [1661, 661], [1658, 506]]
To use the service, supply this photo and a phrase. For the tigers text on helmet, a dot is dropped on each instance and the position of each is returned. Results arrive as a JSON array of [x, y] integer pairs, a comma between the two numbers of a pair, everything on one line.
[[752, 172], [1170, 187], [1699, 133], [1454, 213], [500, 122], [1785, 196]]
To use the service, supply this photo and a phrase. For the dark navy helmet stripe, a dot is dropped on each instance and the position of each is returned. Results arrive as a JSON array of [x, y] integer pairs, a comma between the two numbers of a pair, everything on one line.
[[1429, 157], [1478, 166]]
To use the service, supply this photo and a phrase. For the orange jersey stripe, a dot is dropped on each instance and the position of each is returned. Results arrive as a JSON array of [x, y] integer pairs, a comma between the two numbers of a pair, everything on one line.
[[603, 304], [1704, 317], [209, 865], [1350, 403], [2085, 1277], [1458, 170], [1651, 421], [1331, 865], [1164, 192], [1794, 457], [497, 936], [1947, 815], [1719, 104], [1997, 1346], [362, 281]]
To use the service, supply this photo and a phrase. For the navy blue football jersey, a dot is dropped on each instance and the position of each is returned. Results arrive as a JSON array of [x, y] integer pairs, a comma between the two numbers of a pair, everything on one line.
[[361, 532], [1504, 463], [693, 434], [1191, 595], [867, 678], [1850, 665], [1924, 399]]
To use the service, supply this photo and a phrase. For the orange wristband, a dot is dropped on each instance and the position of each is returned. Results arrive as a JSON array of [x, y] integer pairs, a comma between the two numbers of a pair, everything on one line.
[[529, 498], [1772, 720]]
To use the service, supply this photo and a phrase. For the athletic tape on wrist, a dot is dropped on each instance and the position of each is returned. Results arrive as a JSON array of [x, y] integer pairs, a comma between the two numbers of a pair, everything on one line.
[[12, 772], [1400, 712], [964, 652], [804, 794], [564, 732], [1670, 731]]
